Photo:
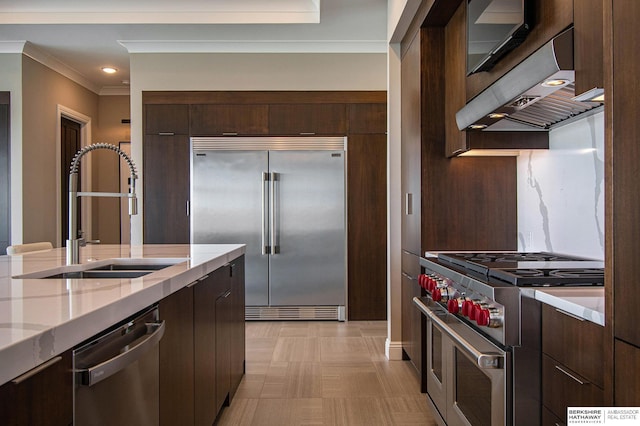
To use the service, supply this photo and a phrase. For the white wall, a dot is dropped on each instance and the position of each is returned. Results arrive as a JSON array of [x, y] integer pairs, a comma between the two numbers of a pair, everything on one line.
[[244, 71], [561, 192]]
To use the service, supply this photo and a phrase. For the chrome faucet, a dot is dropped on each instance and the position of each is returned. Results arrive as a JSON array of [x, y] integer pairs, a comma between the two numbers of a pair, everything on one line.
[[74, 242]]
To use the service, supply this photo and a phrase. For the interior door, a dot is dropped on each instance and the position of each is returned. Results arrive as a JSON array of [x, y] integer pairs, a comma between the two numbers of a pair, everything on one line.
[[226, 208], [308, 266]]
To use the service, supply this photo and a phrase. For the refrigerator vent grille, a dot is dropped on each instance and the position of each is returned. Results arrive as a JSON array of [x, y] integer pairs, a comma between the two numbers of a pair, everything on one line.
[[275, 313], [270, 143]]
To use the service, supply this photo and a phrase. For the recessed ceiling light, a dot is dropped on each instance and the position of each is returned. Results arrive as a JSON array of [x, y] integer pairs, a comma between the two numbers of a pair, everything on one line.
[[109, 70], [555, 83], [497, 115], [478, 126]]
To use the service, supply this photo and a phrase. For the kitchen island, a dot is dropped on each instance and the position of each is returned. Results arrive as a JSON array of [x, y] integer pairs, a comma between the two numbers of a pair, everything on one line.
[[42, 318]]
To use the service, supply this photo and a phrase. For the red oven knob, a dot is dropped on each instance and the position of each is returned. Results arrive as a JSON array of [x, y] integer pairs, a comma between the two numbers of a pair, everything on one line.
[[436, 295], [482, 316], [453, 306], [467, 306], [421, 280]]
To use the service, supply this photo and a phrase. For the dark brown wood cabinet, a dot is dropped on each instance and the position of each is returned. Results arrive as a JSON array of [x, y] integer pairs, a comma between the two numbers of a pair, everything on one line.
[[176, 359], [224, 305], [366, 188], [361, 116], [216, 120], [238, 354], [202, 354], [42, 399], [308, 119], [572, 362], [627, 375], [166, 189], [588, 55], [166, 119], [368, 118]]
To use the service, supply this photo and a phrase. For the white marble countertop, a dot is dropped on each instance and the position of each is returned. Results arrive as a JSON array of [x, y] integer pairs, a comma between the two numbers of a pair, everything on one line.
[[583, 302], [41, 318]]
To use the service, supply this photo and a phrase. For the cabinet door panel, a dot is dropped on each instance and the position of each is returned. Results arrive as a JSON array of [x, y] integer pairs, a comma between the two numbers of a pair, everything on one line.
[[627, 375], [173, 119], [209, 120], [45, 399], [238, 324], [368, 118], [319, 119], [204, 333], [223, 349], [166, 189], [367, 200], [176, 359]]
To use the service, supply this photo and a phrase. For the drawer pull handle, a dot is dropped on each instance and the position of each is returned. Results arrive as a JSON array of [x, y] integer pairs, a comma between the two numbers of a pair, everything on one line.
[[36, 370], [571, 375]]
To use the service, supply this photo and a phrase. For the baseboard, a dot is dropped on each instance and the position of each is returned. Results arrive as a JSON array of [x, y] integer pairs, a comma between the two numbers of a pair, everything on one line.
[[393, 350]]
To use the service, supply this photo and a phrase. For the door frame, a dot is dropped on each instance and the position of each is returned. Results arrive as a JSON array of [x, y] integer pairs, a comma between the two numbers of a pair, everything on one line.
[[85, 139]]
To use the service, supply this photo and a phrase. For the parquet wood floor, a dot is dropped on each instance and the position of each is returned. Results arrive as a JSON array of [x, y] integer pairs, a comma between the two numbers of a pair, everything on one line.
[[324, 373]]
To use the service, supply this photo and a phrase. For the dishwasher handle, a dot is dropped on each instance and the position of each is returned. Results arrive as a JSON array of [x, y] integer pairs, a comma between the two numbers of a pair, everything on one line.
[[129, 354]]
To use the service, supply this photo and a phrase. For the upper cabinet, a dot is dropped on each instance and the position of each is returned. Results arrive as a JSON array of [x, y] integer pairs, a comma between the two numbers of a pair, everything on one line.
[[368, 118], [308, 119], [166, 119], [588, 45], [231, 120]]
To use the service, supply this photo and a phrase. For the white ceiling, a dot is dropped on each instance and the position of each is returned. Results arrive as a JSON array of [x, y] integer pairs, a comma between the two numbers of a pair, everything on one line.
[[78, 37]]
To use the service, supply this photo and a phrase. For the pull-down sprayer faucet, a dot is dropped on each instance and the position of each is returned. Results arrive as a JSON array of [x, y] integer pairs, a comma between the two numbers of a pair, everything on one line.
[[74, 243]]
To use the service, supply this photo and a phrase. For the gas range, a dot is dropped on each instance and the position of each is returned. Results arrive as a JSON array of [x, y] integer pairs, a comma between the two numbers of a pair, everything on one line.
[[485, 288], [483, 325]]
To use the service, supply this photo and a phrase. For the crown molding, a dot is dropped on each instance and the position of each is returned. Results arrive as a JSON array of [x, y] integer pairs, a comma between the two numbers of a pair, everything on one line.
[[254, 46], [51, 62], [12, 46], [115, 91], [172, 17]]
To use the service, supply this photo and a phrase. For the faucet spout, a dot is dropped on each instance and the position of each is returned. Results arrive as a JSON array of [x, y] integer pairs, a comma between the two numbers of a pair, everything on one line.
[[74, 241]]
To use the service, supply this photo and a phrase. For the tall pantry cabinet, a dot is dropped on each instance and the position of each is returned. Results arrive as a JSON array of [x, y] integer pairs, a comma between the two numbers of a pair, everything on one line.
[[622, 66]]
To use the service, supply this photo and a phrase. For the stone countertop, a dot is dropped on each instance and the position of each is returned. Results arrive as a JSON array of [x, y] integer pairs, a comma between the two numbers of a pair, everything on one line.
[[42, 318], [583, 302]]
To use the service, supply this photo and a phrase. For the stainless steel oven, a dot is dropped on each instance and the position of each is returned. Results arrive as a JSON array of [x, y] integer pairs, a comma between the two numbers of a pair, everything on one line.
[[483, 349], [467, 375]]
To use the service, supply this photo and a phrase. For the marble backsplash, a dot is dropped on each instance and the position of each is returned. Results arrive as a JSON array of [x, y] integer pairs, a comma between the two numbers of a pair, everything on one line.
[[561, 192]]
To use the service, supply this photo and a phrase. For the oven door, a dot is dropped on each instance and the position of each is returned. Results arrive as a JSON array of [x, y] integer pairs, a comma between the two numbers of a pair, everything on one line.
[[467, 373]]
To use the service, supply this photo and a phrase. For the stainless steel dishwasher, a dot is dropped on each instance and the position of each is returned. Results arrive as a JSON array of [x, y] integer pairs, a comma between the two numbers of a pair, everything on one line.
[[116, 374]]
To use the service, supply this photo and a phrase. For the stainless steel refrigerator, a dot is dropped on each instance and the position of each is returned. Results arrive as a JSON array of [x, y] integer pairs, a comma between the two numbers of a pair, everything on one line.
[[284, 197]]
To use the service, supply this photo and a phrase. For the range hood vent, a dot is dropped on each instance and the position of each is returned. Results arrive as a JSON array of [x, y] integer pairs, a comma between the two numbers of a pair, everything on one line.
[[535, 95]]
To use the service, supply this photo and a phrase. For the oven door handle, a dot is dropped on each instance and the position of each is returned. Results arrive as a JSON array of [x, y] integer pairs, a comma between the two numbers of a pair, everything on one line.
[[486, 360]]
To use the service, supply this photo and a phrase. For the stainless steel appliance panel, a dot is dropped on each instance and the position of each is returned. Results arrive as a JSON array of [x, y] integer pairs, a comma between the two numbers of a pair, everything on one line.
[[227, 195], [308, 213], [117, 375], [468, 379]]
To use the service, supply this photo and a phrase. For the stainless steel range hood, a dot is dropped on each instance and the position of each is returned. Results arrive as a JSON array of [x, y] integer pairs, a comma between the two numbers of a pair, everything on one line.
[[535, 95]]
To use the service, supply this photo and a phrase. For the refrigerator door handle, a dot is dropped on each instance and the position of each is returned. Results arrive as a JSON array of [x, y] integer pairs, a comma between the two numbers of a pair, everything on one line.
[[265, 248], [273, 222]]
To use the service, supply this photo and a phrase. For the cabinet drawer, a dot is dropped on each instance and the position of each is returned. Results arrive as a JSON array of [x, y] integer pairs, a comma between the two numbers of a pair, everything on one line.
[[210, 120], [574, 343], [550, 419], [562, 388]]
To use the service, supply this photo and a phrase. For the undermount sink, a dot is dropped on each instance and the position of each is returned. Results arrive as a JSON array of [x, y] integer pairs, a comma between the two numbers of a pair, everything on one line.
[[93, 273], [107, 269]]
